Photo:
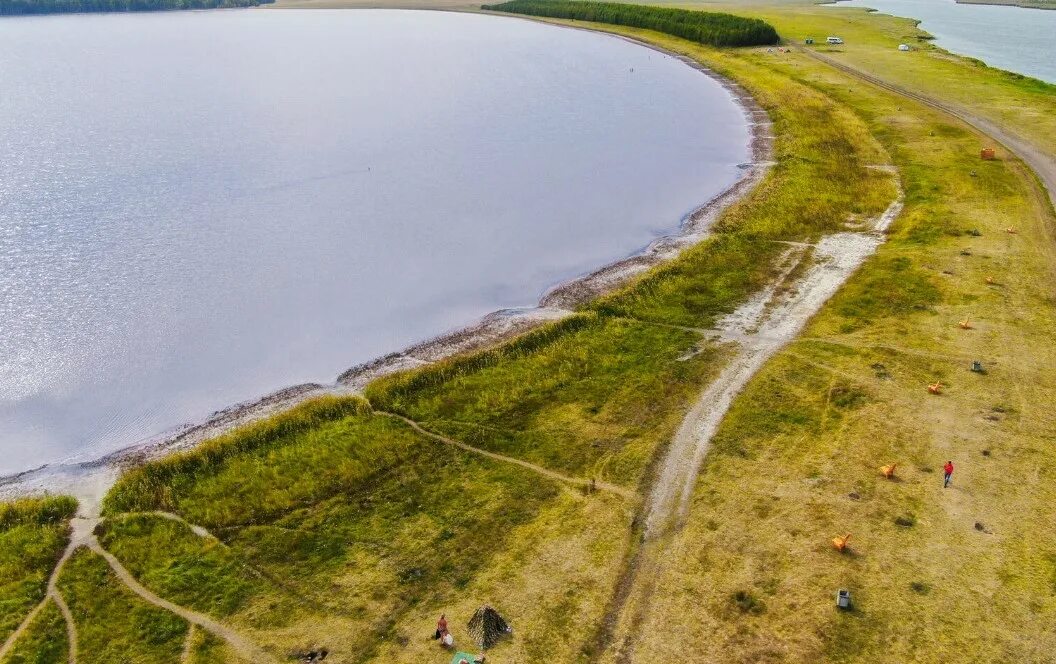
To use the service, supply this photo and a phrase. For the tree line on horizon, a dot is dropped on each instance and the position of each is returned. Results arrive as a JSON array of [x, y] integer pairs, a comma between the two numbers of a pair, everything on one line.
[[711, 28], [27, 7]]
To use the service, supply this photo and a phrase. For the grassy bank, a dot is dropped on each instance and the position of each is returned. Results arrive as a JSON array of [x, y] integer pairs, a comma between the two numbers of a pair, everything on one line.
[[1030, 4]]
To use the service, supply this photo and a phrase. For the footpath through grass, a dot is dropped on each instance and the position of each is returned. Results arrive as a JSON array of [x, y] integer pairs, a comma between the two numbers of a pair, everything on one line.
[[114, 625], [33, 534], [44, 641]]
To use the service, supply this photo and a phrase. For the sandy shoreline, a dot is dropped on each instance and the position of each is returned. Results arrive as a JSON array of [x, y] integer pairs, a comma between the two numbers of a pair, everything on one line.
[[89, 480]]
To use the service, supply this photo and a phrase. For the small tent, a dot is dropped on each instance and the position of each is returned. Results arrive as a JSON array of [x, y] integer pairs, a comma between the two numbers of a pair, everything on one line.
[[487, 627]]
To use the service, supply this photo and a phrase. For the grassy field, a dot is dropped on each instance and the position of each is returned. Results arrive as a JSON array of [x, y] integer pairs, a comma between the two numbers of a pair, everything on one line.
[[753, 576], [358, 532], [337, 526]]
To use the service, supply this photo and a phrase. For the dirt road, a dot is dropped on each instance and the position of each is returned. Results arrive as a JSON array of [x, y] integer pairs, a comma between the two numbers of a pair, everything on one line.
[[1041, 162]]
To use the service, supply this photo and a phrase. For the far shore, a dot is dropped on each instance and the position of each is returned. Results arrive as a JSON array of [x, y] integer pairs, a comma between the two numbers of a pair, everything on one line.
[[1026, 4]]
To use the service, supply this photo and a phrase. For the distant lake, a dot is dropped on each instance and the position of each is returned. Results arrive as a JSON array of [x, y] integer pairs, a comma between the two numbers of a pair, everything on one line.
[[1011, 38], [199, 208]]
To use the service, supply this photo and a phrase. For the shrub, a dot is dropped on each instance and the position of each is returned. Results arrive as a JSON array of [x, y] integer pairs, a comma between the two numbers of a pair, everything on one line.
[[711, 28], [748, 603]]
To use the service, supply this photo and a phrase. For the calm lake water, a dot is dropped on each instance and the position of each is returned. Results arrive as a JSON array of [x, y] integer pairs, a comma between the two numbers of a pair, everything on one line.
[[1010, 38], [198, 208]]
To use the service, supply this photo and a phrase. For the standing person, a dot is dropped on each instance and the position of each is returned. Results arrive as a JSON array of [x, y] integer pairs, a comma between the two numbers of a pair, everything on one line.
[[441, 627], [947, 471]]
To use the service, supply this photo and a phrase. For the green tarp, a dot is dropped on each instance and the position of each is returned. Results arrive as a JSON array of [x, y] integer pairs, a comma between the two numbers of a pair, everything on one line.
[[459, 656]]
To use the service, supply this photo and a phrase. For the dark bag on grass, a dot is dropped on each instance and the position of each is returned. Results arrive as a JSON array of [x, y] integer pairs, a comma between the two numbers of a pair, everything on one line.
[[437, 635]]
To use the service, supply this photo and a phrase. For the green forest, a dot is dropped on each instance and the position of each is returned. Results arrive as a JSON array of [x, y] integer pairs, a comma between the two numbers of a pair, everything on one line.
[[22, 7], [711, 28]]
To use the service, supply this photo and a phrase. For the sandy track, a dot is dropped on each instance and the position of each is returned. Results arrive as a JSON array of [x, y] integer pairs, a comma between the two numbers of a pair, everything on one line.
[[763, 326], [71, 625]]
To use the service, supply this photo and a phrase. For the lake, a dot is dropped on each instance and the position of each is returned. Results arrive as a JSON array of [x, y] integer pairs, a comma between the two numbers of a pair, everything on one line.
[[1011, 38], [199, 208]]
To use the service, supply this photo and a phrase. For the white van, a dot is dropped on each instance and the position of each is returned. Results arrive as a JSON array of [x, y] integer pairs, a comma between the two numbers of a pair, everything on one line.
[[834, 40]]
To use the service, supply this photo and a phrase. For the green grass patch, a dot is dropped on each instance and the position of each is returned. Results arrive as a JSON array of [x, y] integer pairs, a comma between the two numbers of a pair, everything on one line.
[[332, 532], [177, 564], [33, 534], [160, 485], [44, 641], [590, 397], [896, 288], [113, 625]]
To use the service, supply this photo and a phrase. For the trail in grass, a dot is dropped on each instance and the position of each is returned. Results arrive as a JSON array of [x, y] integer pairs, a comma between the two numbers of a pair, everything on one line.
[[546, 472], [200, 531], [83, 534], [304, 597], [188, 645], [15, 635], [242, 646], [71, 626], [52, 594]]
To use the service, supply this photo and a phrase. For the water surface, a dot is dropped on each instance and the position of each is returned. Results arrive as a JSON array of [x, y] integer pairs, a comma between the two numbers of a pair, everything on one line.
[[1015, 39], [198, 208]]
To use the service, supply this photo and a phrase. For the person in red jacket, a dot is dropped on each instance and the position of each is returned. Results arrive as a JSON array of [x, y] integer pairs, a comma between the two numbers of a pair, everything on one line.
[[947, 471]]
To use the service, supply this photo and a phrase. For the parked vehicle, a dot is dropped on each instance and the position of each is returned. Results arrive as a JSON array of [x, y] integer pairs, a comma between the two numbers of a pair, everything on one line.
[[834, 40]]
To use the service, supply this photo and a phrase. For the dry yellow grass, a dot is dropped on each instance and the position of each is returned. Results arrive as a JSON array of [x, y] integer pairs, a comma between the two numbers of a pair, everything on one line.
[[561, 564], [962, 574]]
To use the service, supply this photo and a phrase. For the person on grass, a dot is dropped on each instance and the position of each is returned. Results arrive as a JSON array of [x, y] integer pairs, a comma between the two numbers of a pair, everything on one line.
[[947, 472]]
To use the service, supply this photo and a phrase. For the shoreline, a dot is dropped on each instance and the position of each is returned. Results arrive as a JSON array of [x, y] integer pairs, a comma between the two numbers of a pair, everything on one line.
[[1022, 4], [88, 481]]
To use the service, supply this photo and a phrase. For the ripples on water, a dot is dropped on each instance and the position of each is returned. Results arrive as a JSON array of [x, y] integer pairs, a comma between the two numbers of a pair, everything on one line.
[[199, 208]]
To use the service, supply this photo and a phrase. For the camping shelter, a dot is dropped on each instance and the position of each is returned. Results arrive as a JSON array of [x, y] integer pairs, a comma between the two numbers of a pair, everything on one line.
[[487, 627]]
